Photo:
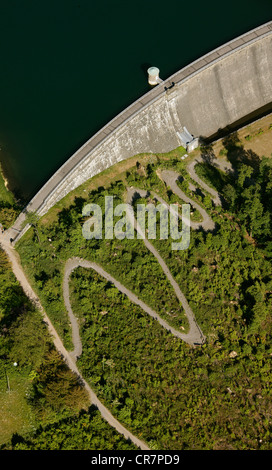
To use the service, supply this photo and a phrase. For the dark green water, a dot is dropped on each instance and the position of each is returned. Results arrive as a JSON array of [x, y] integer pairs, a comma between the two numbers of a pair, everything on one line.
[[68, 67]]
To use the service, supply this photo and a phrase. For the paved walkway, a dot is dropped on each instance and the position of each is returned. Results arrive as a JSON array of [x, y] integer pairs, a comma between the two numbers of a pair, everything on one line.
[[170, 178], [194, 336]]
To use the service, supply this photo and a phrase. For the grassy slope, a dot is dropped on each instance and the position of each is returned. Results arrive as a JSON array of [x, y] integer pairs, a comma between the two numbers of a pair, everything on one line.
[[217, 354], [198, 389], [9, 208], [16, 415]]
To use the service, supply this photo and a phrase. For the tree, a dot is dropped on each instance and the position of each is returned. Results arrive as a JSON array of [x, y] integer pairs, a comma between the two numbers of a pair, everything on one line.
[[230, 194], [32, 218], [244, 172]]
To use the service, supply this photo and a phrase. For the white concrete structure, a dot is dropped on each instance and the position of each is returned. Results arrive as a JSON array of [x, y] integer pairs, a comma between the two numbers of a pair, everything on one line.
[[153, 76]]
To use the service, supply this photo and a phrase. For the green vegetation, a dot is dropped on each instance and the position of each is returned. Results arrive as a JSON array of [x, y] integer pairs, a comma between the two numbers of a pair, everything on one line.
[[16, 415], [129, 261], [173, 396], [251, 136], [25, 350], [43, 405], [9, 208], [85, 431], [217, 396], [32, 219]]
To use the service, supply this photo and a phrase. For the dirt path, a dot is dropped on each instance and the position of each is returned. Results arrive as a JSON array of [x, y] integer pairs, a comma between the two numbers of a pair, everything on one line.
[[68, 357], [170, 178], [222, 164], [22, 279], [195, 335]]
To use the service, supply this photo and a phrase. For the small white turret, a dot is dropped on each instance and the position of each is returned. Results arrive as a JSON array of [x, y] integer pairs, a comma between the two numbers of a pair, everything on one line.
[[153, 76]]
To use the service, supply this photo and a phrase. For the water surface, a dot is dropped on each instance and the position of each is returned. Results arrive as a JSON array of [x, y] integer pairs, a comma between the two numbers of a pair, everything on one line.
[[68, 67]]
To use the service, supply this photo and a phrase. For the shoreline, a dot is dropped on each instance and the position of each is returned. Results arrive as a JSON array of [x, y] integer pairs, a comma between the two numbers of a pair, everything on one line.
[[4, 178]]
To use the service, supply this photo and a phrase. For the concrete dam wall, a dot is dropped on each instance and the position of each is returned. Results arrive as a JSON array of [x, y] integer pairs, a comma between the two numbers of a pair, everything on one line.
[[231, 88], [213, 92]]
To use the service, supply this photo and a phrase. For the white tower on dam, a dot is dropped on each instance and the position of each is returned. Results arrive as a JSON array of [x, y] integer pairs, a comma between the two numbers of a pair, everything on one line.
[[153, 76]]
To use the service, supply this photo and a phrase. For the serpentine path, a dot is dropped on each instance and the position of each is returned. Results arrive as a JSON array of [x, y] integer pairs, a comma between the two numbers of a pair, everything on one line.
[[221, 164], [194, 335]]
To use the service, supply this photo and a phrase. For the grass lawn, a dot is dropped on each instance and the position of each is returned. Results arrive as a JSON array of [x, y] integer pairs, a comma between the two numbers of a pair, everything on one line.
[[15, 413]]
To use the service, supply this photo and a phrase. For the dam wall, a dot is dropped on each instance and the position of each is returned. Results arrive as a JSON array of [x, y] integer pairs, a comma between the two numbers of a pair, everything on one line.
[[211, 93], [228, 90]]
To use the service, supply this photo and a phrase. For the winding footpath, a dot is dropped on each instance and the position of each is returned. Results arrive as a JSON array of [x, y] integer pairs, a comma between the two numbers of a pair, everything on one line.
[[67, 356], [194, 336], [170, 178], [220, 164]]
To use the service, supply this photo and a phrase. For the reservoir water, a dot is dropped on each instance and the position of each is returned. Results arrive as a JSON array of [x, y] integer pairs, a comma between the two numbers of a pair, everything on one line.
[[69, 66]]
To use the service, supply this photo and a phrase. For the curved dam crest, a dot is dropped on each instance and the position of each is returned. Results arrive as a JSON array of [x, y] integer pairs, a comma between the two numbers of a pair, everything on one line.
[[212, 93]]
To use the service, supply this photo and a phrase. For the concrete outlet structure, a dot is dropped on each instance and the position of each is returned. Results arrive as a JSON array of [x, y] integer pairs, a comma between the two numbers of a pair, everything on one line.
[[153, 76]]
